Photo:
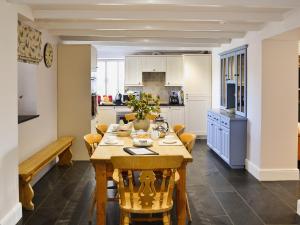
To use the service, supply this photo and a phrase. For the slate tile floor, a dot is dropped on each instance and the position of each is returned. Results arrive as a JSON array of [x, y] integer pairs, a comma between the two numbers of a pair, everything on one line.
[[217, 196]]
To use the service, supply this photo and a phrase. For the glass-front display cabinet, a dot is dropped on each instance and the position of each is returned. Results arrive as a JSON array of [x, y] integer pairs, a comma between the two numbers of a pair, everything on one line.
[[234, 80]]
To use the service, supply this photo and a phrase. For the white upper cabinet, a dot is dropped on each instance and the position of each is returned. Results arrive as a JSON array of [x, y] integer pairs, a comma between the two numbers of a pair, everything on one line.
[[133, 72], [174, 74], [154, 64]]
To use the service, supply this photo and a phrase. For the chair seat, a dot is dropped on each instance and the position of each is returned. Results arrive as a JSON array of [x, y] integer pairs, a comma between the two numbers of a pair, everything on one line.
[[137, 208]]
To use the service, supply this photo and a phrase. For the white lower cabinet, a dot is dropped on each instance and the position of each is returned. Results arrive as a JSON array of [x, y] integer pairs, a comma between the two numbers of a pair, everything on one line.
[[173, 114], [108, 114]]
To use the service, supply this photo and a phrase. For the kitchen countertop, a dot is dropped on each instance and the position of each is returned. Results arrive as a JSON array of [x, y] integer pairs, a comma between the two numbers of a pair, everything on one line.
[[227, 114], [162, 104]]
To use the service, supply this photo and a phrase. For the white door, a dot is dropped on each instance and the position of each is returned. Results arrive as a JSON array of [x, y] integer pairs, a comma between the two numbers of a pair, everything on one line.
[[133, 72], [153, 63], [174, 74]]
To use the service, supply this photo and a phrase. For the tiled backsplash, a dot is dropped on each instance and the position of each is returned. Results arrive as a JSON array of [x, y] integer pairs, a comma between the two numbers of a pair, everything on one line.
[[154, 83]]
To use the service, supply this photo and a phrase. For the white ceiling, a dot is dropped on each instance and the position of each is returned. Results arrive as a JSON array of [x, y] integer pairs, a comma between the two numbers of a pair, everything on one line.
[[174, 25]]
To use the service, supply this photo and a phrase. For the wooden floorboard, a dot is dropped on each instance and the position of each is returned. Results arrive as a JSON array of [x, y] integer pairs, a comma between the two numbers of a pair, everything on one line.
[[218, 196]]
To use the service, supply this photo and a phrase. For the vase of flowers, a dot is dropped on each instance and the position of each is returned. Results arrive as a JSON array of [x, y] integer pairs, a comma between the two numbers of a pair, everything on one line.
[[143, 106]]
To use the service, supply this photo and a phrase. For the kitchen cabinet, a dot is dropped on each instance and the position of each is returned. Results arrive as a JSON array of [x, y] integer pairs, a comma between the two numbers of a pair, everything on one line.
[[197, 89], [133, 71], [108, 114], [227, 137], [234, 80], [154, 64], [174, 74], [173, 114], [176, 115]]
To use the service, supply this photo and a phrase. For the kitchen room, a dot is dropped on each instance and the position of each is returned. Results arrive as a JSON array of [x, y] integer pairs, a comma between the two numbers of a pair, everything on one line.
[[182, 80]]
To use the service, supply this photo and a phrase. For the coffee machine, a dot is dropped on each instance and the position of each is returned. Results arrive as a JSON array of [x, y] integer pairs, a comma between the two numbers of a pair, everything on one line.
[[174, 98]]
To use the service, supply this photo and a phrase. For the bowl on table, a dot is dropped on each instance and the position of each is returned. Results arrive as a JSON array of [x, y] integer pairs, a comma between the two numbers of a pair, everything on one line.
[[142, 142]]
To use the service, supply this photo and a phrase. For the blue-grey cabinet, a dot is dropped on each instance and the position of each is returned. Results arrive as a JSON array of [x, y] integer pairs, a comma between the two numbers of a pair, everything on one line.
[[234, 80], [227, 137]]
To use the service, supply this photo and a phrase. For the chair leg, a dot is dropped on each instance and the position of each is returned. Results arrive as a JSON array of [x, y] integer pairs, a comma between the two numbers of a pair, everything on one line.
[[92, 207], [126, 219], [188, 210], [121, 217], [166, 218]]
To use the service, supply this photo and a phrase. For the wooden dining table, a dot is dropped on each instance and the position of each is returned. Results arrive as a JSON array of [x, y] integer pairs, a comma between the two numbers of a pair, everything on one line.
[[101, 159]]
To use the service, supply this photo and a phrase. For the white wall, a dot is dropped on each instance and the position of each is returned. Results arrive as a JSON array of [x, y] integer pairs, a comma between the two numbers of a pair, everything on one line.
[[10, 210], [272, 99], [37, 133], [27, 88]]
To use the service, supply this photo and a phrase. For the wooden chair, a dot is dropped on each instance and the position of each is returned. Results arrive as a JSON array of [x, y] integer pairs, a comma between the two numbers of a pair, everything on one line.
[[101, 129], [147, 197], [188, 140], [91, 142], [151, 116], [178, 129], [130, 117]]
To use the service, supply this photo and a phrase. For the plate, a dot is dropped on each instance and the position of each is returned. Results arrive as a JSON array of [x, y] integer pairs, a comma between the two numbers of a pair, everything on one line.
[[173, 141], [111, 142]]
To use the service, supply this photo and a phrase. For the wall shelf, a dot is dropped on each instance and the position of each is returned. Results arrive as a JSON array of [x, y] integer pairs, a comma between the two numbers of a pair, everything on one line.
[[24, 118]]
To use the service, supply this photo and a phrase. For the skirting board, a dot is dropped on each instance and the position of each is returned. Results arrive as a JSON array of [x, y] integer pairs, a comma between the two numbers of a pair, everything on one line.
[[271, 174], [13, 216]]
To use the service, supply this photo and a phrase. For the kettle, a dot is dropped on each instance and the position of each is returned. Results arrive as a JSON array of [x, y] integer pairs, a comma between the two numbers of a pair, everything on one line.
[[161, 126]]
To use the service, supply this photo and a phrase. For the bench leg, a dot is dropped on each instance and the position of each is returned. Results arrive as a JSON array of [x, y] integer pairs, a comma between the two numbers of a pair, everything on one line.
[[65, 158], [26, 195]]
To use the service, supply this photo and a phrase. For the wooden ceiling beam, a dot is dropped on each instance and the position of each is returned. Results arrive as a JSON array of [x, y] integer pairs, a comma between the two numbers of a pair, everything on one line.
[[148, 25], [149, 34], [233, 3], [213, 15]]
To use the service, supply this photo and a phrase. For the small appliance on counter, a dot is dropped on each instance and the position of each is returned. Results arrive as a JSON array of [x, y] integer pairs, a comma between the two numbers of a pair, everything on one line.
[[174, 98], [118, 99]]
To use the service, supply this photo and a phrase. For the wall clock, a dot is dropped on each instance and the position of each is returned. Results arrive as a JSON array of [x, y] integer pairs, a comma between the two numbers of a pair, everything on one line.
[[48, 55]]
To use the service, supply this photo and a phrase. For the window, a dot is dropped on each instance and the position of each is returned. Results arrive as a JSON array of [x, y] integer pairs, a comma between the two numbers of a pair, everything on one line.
[[110, 77]]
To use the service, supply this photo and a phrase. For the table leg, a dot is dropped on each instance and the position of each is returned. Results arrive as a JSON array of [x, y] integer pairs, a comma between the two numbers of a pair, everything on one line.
[[101, 193], [181, 195]]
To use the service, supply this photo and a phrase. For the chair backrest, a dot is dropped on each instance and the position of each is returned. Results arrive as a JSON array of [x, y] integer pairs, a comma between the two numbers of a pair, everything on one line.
[[178, 129], [188, 140], [130, 117], [147, 192], [91, 142], [101, 129]]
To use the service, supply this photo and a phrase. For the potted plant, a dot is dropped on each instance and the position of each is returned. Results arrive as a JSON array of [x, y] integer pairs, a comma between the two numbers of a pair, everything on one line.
[[143, 106]]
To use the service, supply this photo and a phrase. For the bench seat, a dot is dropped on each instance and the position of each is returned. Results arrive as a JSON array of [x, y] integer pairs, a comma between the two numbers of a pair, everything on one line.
[[32, 165]]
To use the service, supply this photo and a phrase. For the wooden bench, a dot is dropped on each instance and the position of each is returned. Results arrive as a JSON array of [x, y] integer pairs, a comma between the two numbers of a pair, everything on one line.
[[32, 165]]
